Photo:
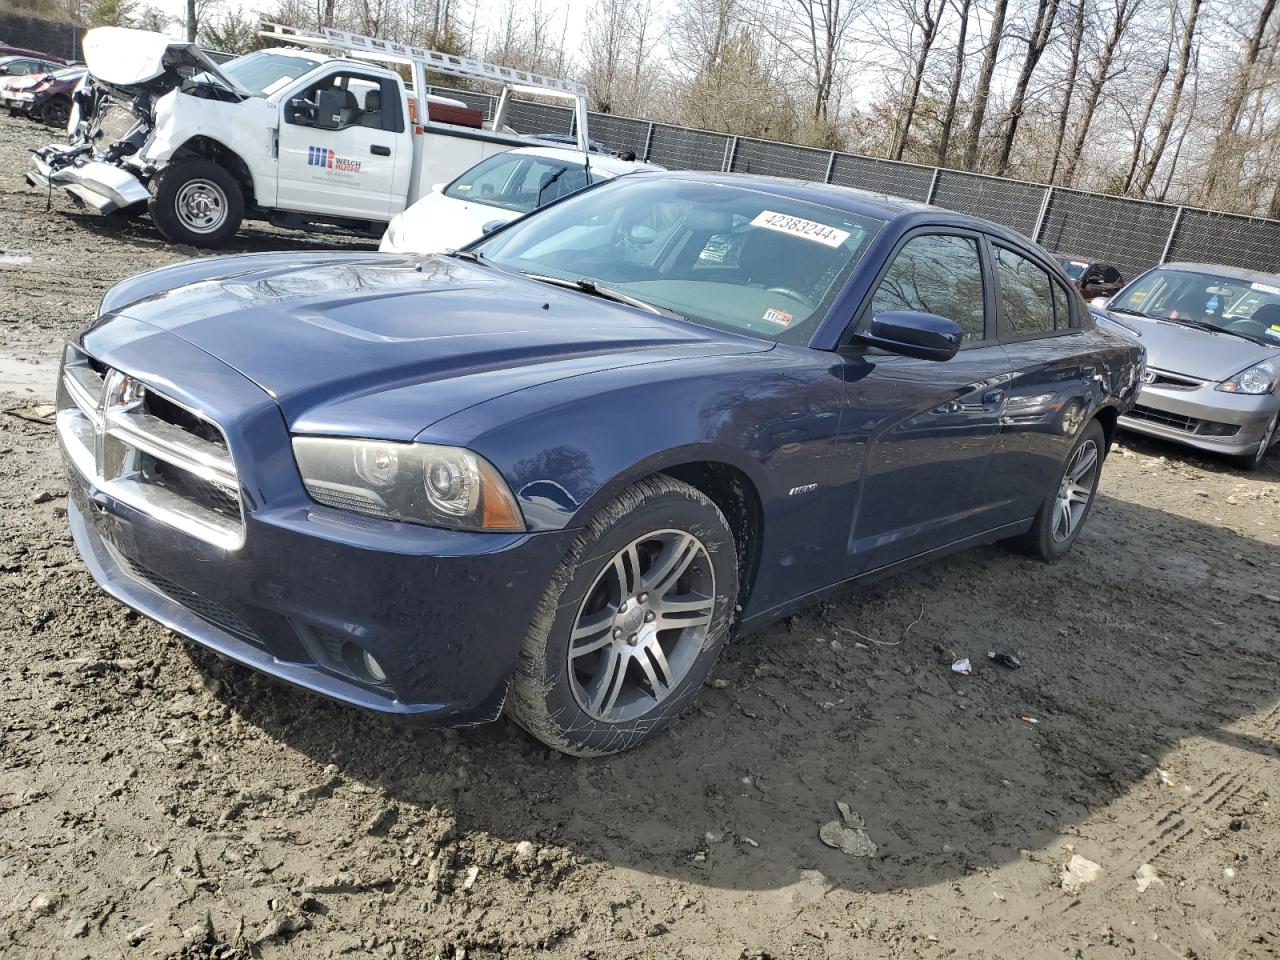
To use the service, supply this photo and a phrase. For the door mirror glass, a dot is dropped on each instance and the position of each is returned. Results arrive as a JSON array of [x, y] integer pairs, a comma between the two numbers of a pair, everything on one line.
[[925, 336], [328, 114], [492, 225]]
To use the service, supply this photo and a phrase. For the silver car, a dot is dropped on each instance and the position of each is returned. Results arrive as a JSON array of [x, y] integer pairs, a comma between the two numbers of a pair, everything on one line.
[[1212, 336]]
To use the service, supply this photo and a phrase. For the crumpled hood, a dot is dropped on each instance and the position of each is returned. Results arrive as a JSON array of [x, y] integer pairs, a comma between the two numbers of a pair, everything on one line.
[[124, 57], [383, 345], [1195, 353]]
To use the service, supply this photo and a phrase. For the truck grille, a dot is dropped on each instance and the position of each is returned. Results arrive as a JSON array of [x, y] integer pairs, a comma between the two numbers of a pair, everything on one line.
[[143, 449]]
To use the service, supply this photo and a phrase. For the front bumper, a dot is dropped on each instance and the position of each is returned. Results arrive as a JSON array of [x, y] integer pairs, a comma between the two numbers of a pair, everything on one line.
[[103, 186], [1202, 417], [443, 612]]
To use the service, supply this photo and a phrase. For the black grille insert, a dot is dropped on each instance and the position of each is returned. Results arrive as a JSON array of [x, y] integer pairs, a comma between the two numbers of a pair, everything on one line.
[[215, 613]]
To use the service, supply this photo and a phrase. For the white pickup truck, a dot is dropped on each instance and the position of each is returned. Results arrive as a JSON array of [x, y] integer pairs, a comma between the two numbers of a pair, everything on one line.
[[292, 135]]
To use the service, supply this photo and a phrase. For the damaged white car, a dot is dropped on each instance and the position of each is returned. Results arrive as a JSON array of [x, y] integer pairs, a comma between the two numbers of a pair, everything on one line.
[[292, 135]]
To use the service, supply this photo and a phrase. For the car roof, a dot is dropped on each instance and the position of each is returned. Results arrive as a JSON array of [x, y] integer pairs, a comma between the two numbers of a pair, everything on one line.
[[600, 161], [1234, 273], [847, 199], [1076, 258]]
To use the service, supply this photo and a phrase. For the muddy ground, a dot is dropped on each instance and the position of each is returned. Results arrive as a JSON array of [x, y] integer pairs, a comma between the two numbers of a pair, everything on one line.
[[157, 801]]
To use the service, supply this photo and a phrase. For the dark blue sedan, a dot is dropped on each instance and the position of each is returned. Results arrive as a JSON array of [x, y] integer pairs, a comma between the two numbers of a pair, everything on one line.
[[557, 470]]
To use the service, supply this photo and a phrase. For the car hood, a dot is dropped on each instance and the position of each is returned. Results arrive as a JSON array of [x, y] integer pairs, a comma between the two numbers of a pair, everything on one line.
[[1195, 353], [124, 57], [384, 345], [437, 223], [23, 83]]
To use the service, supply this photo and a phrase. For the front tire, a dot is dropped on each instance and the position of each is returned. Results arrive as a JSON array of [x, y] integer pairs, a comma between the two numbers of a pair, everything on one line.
[[198, 203], [631, 623], [1068, 505], [1253, 461], [56, 111]]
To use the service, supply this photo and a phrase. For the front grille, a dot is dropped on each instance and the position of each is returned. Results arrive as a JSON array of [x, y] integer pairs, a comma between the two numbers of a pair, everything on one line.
[[147, 451], [1176, 421], [1171, 381], [214, 613]]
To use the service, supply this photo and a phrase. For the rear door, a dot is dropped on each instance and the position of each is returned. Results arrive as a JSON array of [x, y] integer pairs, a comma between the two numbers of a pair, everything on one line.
[[351, 170], [1054, 385], [924, 430]]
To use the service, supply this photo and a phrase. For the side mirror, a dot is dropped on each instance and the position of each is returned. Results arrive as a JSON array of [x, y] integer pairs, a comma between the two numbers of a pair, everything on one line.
[[437, 187], [301, 112], [493, 225], [328, 110], [1099, 302], [925, 336]]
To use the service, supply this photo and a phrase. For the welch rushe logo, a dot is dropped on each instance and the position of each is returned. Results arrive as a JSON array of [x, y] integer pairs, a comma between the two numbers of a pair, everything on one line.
[[324, 157]]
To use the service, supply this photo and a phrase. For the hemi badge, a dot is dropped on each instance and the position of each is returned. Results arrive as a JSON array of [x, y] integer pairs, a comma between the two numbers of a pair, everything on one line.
[[805, 489]]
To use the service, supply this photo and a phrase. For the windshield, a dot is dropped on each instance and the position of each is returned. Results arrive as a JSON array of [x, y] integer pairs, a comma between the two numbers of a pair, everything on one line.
[[518, 181], [1243, 307], [1075, 268], [262, 72], [725, 256]]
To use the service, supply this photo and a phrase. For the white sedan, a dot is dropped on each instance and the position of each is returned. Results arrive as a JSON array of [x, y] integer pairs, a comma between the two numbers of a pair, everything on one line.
[[494, 192]]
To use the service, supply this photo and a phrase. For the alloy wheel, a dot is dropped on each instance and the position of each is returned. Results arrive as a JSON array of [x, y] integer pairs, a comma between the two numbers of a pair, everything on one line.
[[641, 625], [201, 206], [1075, 491], [1267, 438]]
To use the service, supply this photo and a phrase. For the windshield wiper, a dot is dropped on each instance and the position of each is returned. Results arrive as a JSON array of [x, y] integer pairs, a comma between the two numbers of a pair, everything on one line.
[[1130, 311], [537, 201], [604, 293], [469, 255]]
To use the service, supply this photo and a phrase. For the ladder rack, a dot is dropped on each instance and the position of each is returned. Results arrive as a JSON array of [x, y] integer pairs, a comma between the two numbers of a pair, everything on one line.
[[389, 51]]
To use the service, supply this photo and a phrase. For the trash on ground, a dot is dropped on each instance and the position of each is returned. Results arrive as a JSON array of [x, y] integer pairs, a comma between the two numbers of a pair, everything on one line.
[[962, 666], [1166, 778], [1005, 659], [1030, 719], [1147, 877], [1079, 873], [848, 834]]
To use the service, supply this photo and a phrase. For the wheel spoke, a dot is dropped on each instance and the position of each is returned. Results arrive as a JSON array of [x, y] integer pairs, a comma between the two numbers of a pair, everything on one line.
[[1085, 460], [626, 567], [690, 610], [659, 679], [591, 633], [670, 564], [609, 684]]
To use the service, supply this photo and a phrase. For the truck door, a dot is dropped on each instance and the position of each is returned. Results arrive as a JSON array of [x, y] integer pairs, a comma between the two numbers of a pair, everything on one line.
[[341, 140]]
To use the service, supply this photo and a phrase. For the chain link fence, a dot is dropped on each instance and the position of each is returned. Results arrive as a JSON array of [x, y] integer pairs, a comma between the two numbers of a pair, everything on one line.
[[1130, 234]]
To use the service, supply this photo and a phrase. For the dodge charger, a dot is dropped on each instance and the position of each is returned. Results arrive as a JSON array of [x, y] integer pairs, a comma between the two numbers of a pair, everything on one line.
[[555, 471]]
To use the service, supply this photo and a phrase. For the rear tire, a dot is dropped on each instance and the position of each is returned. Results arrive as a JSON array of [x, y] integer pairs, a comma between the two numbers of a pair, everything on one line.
[[198, 203], [1070, 502], [631, 623]]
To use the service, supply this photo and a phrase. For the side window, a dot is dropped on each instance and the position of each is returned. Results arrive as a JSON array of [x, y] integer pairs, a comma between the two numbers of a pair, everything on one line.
[[1110, 275], [1061, 308], [939, 274], [362, 101], [1025, 294]]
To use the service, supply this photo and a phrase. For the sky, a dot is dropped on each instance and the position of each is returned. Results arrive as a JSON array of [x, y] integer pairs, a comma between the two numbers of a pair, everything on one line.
[[574, 13]]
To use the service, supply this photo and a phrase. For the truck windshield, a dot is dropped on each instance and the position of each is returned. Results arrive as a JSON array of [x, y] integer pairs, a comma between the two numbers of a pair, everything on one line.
[[518, 181], [739, 259], [264, 72]]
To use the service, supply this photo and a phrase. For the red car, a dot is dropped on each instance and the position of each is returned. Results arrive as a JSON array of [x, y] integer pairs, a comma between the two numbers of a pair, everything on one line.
[[1093, 279], [42, 96]]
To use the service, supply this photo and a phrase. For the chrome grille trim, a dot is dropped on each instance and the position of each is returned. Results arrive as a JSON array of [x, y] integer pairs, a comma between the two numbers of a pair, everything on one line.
[[115, 443]]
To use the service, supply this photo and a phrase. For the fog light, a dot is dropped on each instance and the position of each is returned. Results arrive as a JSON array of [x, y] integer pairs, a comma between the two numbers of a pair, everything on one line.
[[374, 668]]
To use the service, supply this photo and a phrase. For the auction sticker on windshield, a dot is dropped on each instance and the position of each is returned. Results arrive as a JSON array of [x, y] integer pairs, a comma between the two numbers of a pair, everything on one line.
[[1265, 288], [799, 227]]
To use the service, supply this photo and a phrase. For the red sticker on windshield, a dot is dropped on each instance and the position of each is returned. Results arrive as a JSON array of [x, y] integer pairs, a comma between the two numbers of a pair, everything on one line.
[[774, 315]]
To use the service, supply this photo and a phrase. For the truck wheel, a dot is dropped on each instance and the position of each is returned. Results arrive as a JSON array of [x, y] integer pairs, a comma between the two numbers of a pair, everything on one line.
[[630, 624], [198, 203]]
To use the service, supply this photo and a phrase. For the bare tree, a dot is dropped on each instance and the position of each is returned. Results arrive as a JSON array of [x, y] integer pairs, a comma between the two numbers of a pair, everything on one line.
[[1122, 14], [816, 34], [1041, 34], [990, 57], [923, 17], [618, 43], [1236, 97], [1076, 41], [957, 75], [1148, 172]]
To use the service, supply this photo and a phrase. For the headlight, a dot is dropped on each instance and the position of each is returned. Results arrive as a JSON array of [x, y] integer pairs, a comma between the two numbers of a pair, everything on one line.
[[1260, 378], [416, 482]]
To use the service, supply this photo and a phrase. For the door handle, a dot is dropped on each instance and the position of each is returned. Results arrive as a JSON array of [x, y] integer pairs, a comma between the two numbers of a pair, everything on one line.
[[378, 150], [993, 400]]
